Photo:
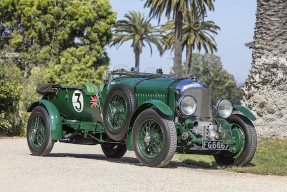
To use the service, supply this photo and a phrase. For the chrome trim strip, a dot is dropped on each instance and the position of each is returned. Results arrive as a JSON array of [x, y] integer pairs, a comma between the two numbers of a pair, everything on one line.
[[188, 83]]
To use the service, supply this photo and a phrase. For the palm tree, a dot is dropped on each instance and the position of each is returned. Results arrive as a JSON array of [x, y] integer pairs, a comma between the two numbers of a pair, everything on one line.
[[138, 29], [179, 9], [197, 33], [265, 88]]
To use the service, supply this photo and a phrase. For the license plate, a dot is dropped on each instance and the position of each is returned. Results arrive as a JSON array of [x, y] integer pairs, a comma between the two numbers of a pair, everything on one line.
[[214, 145]]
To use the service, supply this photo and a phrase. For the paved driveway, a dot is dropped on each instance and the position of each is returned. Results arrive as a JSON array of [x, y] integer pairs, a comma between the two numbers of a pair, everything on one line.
[[73, 167]]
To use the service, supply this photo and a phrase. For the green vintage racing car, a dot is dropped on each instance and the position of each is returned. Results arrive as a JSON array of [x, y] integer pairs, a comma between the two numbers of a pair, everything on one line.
[[153, 114]]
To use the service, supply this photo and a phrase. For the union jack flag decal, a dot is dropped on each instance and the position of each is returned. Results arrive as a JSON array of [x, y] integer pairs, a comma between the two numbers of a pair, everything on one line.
[[94, 101]]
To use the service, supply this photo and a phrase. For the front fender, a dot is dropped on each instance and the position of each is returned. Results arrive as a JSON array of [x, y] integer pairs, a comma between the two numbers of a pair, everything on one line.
[[152, 103], [245, 112], [55, 118], [155, 104]]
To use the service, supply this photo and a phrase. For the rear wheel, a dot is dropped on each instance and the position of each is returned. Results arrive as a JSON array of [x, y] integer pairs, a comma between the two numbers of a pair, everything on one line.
[[154, 138], [245, 135], [118, 110], [39, 132], [113, 150]]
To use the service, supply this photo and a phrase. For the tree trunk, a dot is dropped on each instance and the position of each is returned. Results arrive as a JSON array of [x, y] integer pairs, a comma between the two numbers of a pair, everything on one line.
[[178, 44], [54, 32], [137, 64], [265, 89], [138, 50], [16, 122], [188, 60]]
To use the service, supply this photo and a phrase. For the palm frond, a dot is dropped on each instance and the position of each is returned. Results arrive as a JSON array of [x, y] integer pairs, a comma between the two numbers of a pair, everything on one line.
[[170, 7], [197, 33], [136, 27]]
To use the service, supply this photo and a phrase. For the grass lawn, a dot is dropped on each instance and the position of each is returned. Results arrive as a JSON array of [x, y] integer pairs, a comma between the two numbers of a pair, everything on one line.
[[270, 158]]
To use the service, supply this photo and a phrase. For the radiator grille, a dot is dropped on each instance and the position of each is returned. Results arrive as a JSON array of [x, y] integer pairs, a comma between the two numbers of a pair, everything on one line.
[[203, 98]]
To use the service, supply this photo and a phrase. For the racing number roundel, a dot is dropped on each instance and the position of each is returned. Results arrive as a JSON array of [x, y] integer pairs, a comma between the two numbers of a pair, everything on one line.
[[78, 101]]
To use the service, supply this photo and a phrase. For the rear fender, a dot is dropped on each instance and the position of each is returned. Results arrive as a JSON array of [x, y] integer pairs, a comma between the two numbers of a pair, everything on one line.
[[55, 118], [245, 112], [161, 106]]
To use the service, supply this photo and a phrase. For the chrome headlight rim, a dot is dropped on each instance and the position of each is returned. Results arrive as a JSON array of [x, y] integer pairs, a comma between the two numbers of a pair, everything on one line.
[[180, 111], [220, 101]]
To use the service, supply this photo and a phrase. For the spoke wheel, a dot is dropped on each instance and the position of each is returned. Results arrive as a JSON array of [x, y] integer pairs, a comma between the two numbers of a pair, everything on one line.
[[242, 152], [150, 138], [154, 138], [39, 132], [239, 137], [118, 110]]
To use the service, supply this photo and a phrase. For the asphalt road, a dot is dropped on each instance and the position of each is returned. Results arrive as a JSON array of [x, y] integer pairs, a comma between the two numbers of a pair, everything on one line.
[[73, 167]]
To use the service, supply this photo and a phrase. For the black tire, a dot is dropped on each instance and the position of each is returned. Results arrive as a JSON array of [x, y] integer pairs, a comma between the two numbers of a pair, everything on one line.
[[142, 148], [39, 132], [113, 150], [245, 155], [117, 127]]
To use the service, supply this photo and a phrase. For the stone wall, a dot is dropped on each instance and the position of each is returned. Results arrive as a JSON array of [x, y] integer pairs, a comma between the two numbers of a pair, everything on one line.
[[266, 87]]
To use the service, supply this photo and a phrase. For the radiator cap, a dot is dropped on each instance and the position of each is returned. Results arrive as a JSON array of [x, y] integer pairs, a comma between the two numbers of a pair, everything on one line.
[[194, 78]]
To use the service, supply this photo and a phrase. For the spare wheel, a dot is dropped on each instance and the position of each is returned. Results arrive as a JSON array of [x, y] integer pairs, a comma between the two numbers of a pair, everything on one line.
[[119, 107]]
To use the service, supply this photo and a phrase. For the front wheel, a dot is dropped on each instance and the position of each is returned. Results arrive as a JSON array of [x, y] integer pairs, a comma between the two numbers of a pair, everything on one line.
[[39, 132], [245, 135], [154, 138]]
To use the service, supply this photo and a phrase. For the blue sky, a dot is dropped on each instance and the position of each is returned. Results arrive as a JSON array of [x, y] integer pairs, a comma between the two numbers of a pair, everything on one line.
[[235, 18]]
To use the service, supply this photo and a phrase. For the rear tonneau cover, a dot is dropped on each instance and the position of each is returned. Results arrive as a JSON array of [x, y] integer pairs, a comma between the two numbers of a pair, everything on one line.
[[46, 88]]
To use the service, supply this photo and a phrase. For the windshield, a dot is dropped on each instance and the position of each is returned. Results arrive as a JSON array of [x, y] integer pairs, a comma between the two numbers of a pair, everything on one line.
[[146, 70]]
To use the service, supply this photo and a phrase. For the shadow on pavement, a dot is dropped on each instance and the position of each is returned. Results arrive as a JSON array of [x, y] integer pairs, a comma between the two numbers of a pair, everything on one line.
[[124, 160]]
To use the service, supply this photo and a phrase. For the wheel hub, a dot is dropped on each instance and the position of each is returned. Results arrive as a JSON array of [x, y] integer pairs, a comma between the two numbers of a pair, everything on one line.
[[34, 131], [147, 138], [113, 110]]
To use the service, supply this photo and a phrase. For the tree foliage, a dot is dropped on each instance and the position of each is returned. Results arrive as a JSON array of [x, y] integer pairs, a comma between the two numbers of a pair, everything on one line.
[[209, 69], [55, 41], [9, 96], [50, 33], [138, 29]]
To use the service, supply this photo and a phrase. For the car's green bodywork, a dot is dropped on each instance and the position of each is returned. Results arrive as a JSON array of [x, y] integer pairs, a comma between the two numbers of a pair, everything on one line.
[[151, 92], [55, 117]]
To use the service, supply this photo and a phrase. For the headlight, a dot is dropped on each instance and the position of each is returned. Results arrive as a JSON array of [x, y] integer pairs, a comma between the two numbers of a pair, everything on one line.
[[224, 107], [187, 105]]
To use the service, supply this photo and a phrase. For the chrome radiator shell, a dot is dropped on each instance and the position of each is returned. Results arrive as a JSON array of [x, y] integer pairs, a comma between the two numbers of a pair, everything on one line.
[[201, 93]]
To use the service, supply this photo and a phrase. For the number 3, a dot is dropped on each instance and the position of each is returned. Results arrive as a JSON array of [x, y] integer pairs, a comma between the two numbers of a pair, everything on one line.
[[78, 101]]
